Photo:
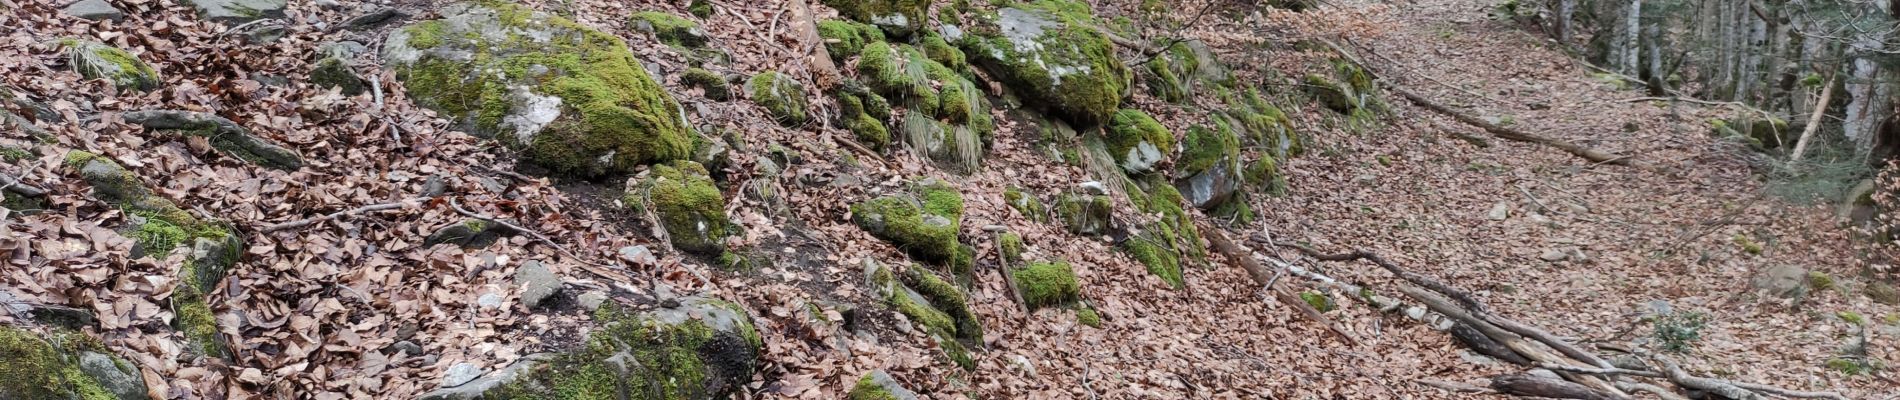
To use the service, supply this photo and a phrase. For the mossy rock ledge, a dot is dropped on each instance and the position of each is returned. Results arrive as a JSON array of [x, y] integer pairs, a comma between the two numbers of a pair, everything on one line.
[[1137, 141], [935, 306], [691, 348], [1209, 171], [571, 99], [689, 205], [71, 366], [1050, 54]]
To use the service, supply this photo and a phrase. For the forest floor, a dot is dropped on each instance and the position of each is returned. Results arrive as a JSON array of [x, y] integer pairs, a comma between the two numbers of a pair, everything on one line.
[[1585, 250]]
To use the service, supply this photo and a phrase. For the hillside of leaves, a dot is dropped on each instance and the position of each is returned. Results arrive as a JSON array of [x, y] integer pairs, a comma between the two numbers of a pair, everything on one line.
[[667, 199]]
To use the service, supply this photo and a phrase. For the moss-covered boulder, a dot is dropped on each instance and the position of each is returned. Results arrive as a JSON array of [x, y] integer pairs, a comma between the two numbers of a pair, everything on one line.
[[670, 29], [898, 17], [864, 114], [1183, 68], [713, 85], [844, 39], [879, 385], [71, 366], [1261, 125], [1026, 203], [937, 307], [570, 98], [1168, 239], [691, 348], [1084, 214], [158, 227], [1047, 284], [1050, 54], [1759, 132], [923, 222], [1209, 171], [688, 204], [332, 72], [781, 95], [1330, 93], [94, 60], [1137, 141]]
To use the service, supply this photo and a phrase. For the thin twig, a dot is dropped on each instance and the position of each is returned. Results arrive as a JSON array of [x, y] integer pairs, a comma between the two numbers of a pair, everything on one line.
[[339, 214]]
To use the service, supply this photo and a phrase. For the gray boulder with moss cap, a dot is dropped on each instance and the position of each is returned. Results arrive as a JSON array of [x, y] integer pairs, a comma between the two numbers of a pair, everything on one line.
[[94, 60], [689, 348], [570, 98], [878, 385], [783, 96], [69, 367], [688, 204], [899, 17], [1049, 52]]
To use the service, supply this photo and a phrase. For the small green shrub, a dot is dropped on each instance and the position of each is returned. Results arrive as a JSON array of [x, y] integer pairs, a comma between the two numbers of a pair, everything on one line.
[[1678, 331]]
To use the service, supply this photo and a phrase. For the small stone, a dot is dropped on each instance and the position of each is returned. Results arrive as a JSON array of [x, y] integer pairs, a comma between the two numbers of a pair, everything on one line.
[[489, 300], [592, 300], [1500, 211], [1553, 255], [1781, 280], [94, 10], [344, 49], [536, 282], [1539, 219], [406, 347], [435, 186], [1883, 293], [1094, 188], [335, 72], [638, 255], [459, 374], [238, 11]]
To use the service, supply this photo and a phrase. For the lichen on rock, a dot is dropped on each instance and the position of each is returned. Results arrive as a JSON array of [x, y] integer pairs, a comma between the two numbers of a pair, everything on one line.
[[572, 99], [781, 95], [94, 60], [1049, 52], [688, 204]]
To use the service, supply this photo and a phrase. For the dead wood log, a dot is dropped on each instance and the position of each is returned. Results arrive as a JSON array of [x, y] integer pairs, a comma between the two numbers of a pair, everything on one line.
[[1456, 387], [1717, 386], [1659, 391], [1814, 120], [1533, 386], [19, 187], [1516, 343], [1495, 130], [1244, 258], [1477, 341], [339, 214]]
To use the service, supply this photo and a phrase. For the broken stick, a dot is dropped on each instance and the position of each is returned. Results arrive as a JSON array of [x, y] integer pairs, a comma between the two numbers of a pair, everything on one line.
[[1244, 258]]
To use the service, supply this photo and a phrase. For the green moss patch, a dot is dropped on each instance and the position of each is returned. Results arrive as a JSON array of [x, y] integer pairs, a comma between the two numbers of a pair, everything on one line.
[[924, 223], [702, 348], [1137, 141], [1084, 214], [844, 39], [783, 96], [938, 307], [36, 369], [94, 60], [670, 29], [1011, 245], [572, 99], [899, 17], [689, 205], [1089, 317], [946, 115], [1049, 52], [1048, 284], [1026, 203], [711, 83]]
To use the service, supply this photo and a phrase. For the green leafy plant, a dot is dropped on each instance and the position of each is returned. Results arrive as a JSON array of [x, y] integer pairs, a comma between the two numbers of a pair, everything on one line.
[[1678, 331]]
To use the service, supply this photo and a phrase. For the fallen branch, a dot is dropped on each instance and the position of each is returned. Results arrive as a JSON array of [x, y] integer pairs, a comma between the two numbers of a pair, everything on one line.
[[1533, 386], [1009, 278], [1814, 120], [339, 214], [1260, 275], [1456, 387], [1716, 386], [19, 187], [1495, 130]]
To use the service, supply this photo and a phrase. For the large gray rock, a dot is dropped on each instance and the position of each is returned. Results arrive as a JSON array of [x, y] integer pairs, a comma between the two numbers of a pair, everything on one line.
[[113, 375], [1781, 280], [95, 60], [238, 11], [93, 10]]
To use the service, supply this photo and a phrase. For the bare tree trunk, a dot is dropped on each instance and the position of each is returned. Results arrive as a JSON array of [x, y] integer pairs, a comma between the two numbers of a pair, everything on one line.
[[1564, 10], [1652, 50], [1814, 121], [1630, 48]]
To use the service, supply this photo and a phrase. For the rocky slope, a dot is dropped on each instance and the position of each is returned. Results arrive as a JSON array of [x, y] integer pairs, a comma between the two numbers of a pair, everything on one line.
[[864, 199]]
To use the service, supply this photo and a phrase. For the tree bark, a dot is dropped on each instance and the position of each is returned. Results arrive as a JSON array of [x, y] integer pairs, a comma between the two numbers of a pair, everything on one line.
[[1527, 385]]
